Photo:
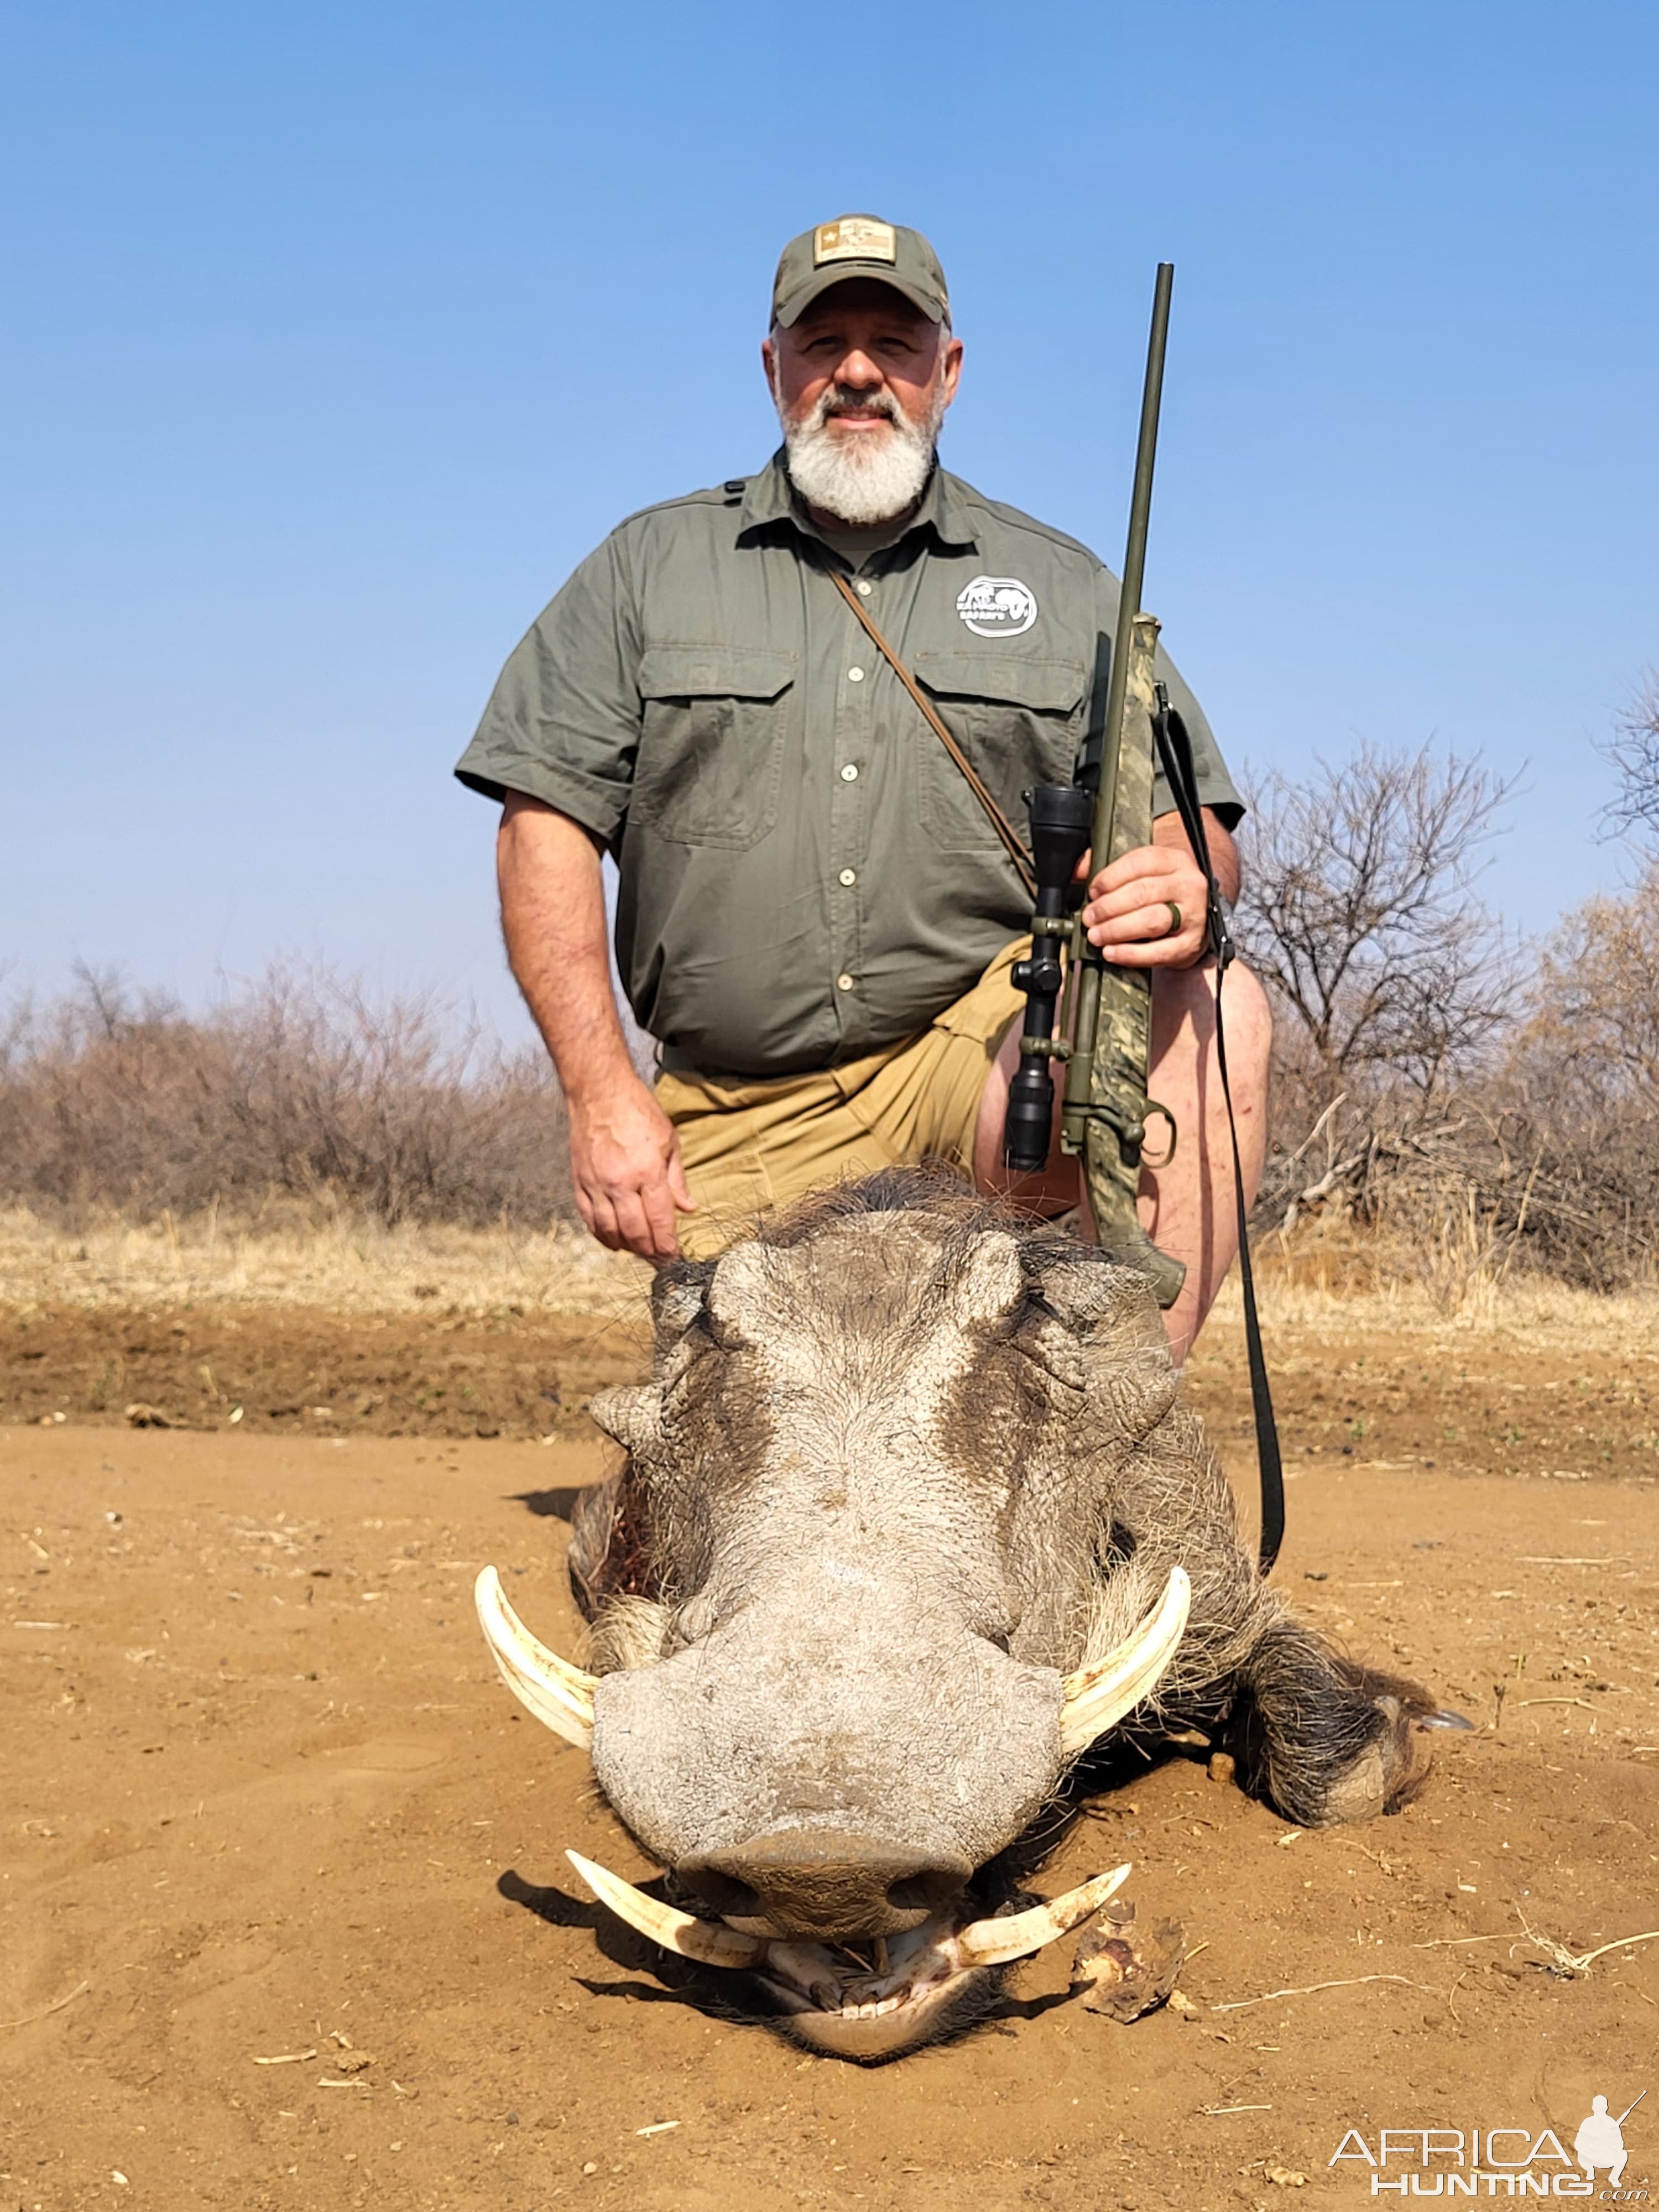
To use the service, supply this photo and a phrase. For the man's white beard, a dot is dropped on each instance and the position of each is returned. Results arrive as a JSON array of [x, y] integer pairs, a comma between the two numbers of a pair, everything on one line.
[[865, 476]]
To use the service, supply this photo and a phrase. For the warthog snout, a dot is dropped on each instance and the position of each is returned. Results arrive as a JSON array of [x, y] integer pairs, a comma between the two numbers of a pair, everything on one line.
[[819, 1883]]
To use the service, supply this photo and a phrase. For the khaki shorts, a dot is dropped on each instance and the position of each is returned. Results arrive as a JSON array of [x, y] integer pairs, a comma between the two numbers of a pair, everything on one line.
[[748, 1147]]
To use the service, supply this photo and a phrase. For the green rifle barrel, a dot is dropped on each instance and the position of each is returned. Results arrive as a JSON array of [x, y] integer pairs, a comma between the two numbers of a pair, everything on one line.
[[1129, 606], [1082, 1090]]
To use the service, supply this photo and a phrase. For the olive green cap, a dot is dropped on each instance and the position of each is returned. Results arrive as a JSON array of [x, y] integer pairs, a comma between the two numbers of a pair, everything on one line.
[[858, 246]]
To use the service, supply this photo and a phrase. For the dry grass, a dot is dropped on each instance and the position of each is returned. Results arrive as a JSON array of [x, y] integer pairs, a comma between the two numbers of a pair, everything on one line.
[[347, 1265], [356, 1265], [1353, 1279]]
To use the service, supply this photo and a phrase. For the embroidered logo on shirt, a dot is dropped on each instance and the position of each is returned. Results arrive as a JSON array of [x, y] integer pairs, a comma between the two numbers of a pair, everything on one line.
[[997, 606]]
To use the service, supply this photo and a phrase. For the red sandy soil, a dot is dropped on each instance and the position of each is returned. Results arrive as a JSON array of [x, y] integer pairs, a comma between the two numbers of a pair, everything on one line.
[[263, 1795]]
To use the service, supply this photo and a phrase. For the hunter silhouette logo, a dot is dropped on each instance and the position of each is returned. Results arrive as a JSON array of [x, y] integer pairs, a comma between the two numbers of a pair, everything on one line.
[[1512, 2161], [1601, 2140], [997, 606]]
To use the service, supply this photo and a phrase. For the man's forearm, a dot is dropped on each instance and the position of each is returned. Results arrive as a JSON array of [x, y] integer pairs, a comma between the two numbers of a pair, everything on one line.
[[553, 919], [624, 1157]]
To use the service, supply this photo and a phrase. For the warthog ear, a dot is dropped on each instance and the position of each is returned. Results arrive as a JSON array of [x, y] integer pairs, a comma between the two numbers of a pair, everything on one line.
[[633, 1417], [677, 1297], [987, 1281], [739, 1305]]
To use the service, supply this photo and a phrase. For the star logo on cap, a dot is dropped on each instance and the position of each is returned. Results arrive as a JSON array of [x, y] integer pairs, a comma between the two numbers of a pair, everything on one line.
[[854, 237]]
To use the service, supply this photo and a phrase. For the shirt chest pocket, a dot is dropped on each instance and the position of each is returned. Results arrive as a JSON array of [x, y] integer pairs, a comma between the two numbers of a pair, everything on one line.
[[1019, 722], [714, 724]]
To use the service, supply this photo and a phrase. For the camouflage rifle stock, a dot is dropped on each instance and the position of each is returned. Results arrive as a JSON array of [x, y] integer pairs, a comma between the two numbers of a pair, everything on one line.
[[1106, 1105], [1105, 1035]]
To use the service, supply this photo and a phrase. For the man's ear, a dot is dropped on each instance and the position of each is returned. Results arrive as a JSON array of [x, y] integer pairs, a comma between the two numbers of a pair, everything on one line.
[[769, 364], [952, 368]]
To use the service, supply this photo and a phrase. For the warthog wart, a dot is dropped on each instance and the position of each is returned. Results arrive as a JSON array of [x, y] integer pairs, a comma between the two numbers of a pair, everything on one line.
[[912, 1517]]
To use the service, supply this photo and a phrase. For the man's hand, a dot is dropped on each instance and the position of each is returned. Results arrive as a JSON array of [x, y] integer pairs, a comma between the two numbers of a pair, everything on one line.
[[1128, 914], [625, 1162]]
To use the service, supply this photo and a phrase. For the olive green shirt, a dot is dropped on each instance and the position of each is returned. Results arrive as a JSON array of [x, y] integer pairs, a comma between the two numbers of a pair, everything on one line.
[[805, 876]]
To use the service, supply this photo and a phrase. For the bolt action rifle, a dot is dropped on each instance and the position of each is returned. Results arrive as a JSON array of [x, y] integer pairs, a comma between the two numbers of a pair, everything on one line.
[[1094, 1017]]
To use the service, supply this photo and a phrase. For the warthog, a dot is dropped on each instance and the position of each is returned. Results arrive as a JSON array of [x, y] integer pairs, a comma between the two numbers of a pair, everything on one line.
[[913, 1518]]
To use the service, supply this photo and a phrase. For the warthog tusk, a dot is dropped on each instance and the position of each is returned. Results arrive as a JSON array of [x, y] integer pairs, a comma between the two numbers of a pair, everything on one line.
[[994, 1942], [1098, 1696], [560, 1695], [705, 1941]]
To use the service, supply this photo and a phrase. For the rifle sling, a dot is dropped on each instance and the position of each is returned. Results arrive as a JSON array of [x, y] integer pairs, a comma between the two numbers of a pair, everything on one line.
[[1175, 750], [994, 815]]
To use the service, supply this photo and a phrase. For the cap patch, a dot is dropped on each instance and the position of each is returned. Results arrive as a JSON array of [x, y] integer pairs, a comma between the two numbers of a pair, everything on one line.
[[854, 237]]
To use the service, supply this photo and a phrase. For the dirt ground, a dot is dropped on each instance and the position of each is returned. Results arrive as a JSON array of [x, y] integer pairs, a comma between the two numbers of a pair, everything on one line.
[[265, 1799], [1552, 1398]]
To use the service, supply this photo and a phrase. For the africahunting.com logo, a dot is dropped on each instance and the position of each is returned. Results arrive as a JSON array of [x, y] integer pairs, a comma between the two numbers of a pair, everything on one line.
[[1496, 2161]]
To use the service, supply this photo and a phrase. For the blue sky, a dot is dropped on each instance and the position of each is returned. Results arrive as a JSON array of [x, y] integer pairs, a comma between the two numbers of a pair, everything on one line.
[[336, 334]]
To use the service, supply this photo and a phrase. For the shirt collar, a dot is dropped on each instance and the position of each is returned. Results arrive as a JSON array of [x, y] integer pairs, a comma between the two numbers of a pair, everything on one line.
[[770, 500]]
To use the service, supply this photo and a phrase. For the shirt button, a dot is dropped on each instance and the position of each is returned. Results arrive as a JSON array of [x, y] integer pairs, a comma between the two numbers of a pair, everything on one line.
[[843, 983], [849, 875], [856, 676], [850, 774], [862, 588]]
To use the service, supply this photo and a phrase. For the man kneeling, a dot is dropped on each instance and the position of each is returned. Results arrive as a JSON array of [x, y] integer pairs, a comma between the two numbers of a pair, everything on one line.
[[816, 920]]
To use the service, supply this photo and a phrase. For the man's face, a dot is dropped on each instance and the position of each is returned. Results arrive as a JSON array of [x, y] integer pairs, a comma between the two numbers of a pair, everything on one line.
[[860, 341], [861, 382]]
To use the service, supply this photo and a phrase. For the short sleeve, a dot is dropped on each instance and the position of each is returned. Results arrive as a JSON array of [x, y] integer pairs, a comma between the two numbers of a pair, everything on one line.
[[562, 724], [1215, 787]]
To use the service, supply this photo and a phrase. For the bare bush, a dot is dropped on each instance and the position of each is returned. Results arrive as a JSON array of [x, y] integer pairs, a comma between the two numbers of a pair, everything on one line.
[[1542, 1155], [1471, 1121], [301, 1085], [1580, 1078], [1633, 749], [1594, 1012], [1388, 977], [1360, 915]]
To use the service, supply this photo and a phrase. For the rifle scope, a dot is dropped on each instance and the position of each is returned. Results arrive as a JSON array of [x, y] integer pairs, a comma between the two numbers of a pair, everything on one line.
[[1062, 818]]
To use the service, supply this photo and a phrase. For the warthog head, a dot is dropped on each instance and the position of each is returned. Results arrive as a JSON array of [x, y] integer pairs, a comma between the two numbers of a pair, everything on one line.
[[923, 1521]]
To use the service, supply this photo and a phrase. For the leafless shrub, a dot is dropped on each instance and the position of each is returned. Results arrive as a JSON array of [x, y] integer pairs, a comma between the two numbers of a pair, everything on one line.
[[1633, 749], [1391, 982], [1360, 915], [1580, 1079], [301, 1086], [1540, 1154]]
